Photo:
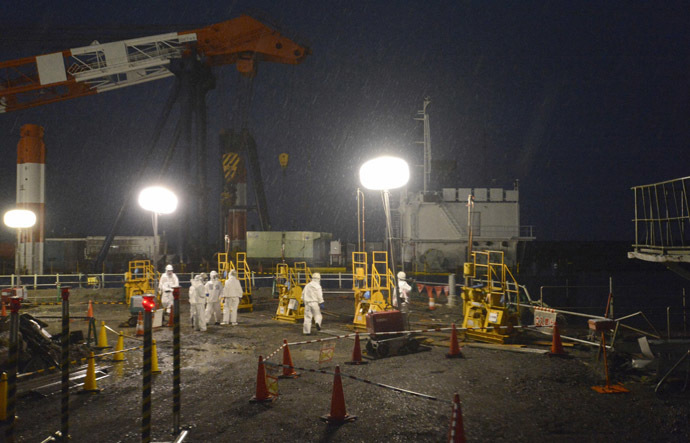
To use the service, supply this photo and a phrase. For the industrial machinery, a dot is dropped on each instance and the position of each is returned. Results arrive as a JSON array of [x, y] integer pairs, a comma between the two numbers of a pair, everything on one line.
[[140, 279], [244, 275], [385, 345], [373, 287], [490, 298], [289, 284], [187, 55]]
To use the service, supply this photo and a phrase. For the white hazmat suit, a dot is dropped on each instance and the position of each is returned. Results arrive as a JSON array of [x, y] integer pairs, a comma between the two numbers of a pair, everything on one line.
[[403, 293], [232, 294], [166, 284], [197, 300], [213, 288], [312, 296]]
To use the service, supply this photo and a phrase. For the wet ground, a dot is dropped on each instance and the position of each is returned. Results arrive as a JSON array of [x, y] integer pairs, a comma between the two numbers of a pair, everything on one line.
[[505, 395]]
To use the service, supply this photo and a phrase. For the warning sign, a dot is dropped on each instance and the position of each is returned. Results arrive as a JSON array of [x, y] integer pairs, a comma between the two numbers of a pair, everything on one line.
[[272, 384], [327, 351], [544, 317]]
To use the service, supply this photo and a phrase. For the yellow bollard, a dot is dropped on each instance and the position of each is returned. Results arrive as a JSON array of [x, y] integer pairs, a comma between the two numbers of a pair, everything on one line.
[[154, 359], [3, 397], [119, 355], [102, 337], [90, 384]]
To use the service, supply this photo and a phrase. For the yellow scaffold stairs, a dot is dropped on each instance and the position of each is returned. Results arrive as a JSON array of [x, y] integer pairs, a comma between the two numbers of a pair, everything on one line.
[[289, 284], [373, 287], [490, 298]]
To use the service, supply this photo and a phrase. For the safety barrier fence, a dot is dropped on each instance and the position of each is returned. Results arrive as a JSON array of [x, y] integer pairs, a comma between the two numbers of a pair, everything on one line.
[[55, 303], [416, 331], [363, 380], [9, 380], [456, 431], [83, 360]]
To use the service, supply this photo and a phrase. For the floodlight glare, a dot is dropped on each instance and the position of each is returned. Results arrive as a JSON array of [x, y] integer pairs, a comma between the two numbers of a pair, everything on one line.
[[384, 173], [20, 218], [158, 199]]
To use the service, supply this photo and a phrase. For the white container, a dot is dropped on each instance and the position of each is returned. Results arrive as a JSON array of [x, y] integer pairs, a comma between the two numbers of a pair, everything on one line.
[[496, 194], [480, 194], [512, 195], [463, 193]]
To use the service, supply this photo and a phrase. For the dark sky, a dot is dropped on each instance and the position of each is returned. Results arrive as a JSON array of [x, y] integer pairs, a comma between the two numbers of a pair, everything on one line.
[[579, 101]]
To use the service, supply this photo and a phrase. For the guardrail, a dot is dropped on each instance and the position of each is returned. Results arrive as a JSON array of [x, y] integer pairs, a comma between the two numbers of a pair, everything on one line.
[[339, 280]]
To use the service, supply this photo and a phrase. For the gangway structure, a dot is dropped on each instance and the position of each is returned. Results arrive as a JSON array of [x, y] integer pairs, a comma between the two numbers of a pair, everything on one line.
[[490, 298], [662, 224], [373, 287], [244, 275], [290, 283]]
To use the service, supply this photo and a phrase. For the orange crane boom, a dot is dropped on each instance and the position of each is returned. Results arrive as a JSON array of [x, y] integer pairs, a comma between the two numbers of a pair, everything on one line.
[[87, 70]]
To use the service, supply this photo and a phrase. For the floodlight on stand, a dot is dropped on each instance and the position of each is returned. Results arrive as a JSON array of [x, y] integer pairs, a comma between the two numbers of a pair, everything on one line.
[[384, 173], [20, 218], [158, 200]]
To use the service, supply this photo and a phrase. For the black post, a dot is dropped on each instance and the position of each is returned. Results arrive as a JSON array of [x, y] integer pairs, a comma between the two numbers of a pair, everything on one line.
[[148, 303], [64, 366], [13, 366], [177, 398]]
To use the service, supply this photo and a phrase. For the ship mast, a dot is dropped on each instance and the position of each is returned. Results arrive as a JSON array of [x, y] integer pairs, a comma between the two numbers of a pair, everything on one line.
[[427, 142]]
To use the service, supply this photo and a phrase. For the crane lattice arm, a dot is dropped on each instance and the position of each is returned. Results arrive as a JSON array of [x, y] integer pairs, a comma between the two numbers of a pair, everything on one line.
[[43, 79]]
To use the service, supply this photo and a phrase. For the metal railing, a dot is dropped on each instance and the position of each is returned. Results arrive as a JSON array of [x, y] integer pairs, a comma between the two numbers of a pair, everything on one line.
[[104, 280], [662, 217]]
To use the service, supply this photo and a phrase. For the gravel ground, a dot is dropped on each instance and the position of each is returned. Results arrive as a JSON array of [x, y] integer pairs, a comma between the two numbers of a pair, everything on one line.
[[505, 396]]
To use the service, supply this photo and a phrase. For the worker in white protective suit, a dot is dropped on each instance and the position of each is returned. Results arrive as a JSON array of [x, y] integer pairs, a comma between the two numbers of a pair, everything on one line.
[[232, 294], [197, 301], [166, 284], [312, 296], [403, 293], [213, 289]]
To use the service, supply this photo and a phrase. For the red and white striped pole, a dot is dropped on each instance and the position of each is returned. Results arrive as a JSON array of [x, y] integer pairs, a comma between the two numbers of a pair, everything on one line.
[[31, 159]]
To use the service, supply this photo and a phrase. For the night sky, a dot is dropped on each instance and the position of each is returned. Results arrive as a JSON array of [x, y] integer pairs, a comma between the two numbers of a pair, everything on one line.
[[579, 101]]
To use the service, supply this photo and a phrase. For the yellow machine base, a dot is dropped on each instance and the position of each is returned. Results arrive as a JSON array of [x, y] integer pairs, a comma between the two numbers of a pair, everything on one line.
[[487, 337], [289, 318]]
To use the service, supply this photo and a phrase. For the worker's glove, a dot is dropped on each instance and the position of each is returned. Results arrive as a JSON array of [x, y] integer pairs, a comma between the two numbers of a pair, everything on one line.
[[322, 306]]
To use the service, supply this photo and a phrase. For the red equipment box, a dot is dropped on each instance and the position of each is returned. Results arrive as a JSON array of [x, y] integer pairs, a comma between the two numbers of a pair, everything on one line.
[[601, 325], [385, 321]]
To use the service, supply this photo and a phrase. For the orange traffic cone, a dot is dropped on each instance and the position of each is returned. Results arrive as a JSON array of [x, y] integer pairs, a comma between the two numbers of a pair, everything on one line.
[[89, 313], [119, 347], [432, 302], [90, 384], [102, 342], [556, 344], [454, 348], [3, 396], [140, 324], [356, 353], [456, 433], [288, 367], [262, 394], [338, 415]]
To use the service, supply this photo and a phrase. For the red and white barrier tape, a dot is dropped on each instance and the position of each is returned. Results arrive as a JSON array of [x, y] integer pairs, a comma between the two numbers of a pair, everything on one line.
[[417, 331], [363, 380]]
